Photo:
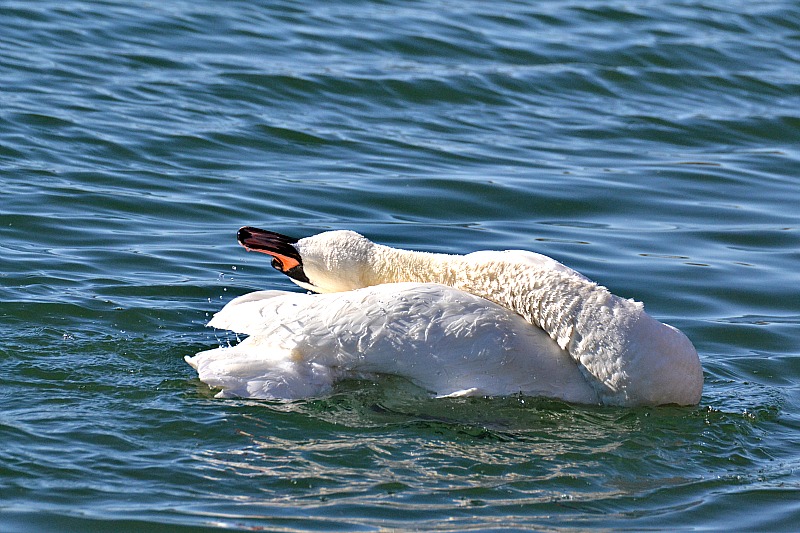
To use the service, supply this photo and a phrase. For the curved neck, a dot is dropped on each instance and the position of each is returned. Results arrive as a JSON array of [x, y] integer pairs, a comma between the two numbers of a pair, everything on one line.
[[546, 293]]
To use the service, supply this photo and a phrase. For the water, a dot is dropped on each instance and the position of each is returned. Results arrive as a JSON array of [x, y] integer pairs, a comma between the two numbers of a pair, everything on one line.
[[652, 146]]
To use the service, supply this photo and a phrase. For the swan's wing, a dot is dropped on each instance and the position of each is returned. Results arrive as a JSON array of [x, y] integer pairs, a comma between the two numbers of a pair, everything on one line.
[[444, 340], [264, 365], [245, 314]]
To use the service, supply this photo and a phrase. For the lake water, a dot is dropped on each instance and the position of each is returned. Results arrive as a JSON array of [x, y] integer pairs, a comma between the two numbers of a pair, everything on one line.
[[653, 146]]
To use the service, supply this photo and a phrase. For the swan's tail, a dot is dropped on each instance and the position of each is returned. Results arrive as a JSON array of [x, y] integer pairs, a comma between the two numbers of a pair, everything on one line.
[[251, 371]]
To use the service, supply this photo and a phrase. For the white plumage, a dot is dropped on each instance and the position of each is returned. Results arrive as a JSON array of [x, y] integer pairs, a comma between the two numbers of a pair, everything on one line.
[[488, 323], [442, 339]]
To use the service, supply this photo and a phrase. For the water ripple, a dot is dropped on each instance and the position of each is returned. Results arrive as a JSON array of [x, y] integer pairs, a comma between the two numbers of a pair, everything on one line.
[[652, 147]]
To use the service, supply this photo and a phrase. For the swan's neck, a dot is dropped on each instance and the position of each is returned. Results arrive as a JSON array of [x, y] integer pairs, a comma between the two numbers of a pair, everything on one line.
[[392, 265], [612, 339], [546, 293]]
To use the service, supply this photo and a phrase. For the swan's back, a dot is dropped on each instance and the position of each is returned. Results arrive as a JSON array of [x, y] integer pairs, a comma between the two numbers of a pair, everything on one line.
[[442, 339]]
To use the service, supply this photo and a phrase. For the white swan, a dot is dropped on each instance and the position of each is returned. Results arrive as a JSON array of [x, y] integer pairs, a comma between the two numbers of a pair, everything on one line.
[[488, 323]]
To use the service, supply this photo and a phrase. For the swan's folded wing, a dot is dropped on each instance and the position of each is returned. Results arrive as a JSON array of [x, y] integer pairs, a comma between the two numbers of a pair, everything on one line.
[[447, 341]]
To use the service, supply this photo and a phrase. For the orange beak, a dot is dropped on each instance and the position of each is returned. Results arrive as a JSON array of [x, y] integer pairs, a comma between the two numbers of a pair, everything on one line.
[[285, 257]]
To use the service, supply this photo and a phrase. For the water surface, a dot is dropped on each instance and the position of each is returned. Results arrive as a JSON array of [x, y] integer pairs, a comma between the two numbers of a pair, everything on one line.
[[651, 146]]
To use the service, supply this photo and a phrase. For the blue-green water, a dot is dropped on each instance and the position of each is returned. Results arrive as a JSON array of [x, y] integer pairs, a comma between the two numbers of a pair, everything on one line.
[[652, 146]]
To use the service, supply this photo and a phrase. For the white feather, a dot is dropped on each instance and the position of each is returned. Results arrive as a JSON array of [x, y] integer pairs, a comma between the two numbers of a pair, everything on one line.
[[442, 339]]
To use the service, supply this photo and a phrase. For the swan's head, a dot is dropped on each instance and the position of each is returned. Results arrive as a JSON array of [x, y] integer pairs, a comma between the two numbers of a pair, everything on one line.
[[332, 261]]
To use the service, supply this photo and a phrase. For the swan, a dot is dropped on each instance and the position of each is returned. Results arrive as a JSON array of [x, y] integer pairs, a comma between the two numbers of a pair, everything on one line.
[[484, 323]]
